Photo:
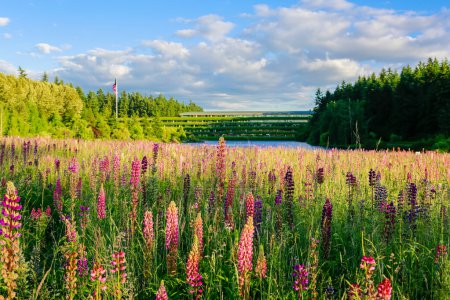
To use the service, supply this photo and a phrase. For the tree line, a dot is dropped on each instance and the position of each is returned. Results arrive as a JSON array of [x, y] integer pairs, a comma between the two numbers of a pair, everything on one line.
[[42, 108], [410, 109]]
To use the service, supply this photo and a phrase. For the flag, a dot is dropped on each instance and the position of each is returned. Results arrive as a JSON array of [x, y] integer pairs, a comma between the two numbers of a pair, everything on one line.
[[114, 87]]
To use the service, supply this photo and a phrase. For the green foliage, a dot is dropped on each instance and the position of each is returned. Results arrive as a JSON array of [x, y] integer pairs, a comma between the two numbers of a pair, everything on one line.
[[411, 106]]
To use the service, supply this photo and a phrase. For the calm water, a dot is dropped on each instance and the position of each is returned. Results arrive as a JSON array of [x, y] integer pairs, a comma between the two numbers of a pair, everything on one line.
[[263, 144]]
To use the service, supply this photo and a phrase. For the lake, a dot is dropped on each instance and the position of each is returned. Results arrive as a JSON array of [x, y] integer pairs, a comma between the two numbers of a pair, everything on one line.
[[262, 144]]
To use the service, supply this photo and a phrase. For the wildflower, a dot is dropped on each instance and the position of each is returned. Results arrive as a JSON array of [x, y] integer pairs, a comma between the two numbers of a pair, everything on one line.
[[162, 294], [57, 197], [245, 255], [172, 237], [148, 229], [98, 276], [220, 168], [198, 231], [441, 253], [389, 225], [327, 215], [300, 280], [101, 204], [384, 290], [368, 265], [319, 175], [194, 278], [250, 205], [258, 213], [10, 246], [186, 189], [289, 196], [119, 267]]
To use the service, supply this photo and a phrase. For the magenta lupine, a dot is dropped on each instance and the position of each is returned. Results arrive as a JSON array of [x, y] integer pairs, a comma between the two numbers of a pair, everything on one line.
[[300, 280], [101, 203], [57, 197], [104, 169], [368, 265], [441, 254], [384, 290], [194, 278], [319, 175], [84, 216], [327, 216], [245, 256], [10, 245], [162, 293], [134, 182], [228, 205], [172, 237], [220, 168]]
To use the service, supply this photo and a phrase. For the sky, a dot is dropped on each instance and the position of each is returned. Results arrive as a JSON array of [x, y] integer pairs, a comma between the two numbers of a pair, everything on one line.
[[221, 54]]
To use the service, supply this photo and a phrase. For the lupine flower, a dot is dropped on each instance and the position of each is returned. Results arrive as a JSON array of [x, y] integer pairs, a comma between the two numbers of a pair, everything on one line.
[[84, 216], [162, 294], [147, 230], [245, 255], [327, 215], [198, 231], [134, 182], [230, 198], [9, 229], [116, 171], [194, 278], [261, 264], [186, 189], [272, 179], [118, 264], [250, 205], [57, 197], [313, 266], [300, 280], [172, 237], [389, 225], [368, 265], [82, 264], [441, 254], [101, 204], [319, 175], [220, 168], [135, 173], [380, 197], [71, 231], [372, 178], [289, 196], [384, 290], [98, 276]]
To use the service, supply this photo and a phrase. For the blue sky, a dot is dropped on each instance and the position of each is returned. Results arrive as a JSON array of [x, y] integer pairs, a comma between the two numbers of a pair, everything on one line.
[[223, 54]]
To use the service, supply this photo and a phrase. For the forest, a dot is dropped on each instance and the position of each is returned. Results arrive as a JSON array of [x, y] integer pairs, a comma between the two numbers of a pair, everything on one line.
[[40, 108], [410, 109]]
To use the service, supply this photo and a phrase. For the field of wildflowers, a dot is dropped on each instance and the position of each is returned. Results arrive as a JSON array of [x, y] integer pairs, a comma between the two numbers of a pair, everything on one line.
[[139, 220]]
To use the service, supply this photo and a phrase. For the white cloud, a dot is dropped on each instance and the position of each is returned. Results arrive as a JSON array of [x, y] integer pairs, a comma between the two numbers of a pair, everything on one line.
[[277, 62], [47, 48], [7, 36], [4, 21], [212, 27]]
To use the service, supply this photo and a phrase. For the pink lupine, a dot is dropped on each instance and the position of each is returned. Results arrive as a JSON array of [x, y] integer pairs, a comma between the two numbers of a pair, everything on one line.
[[384, 290], [162, 294], [194, 278], [98, 276], [119, 267], [250, 205], [134, 182], [172, 237], [245, 256], [101, 204], [261, 264], [147, 230]]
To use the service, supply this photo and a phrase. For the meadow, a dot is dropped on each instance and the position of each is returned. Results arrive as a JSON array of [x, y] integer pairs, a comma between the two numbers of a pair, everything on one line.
[[141, 220]]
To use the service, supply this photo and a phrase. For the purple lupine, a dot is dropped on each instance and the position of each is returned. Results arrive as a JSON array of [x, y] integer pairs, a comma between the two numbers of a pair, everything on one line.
[[289, 196], [57, 197], [83, 266], [327, 215], [144, 165], [411, 191], [155, 157], [389, 225], [380, 197], [272, 180], [319, 175], [301, 281], [278, 221], [372, 182], [84, 216]]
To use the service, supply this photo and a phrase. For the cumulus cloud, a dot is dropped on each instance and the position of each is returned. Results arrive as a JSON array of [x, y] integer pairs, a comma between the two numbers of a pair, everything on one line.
[[4, 21], [277, 62], [47, 48], [211, 27]]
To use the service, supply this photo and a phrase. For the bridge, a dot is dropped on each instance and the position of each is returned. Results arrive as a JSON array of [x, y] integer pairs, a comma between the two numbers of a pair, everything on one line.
[[241, 125]]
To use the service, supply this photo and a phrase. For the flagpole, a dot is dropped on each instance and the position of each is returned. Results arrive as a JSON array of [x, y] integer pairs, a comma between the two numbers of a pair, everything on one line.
[[117, 114]]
